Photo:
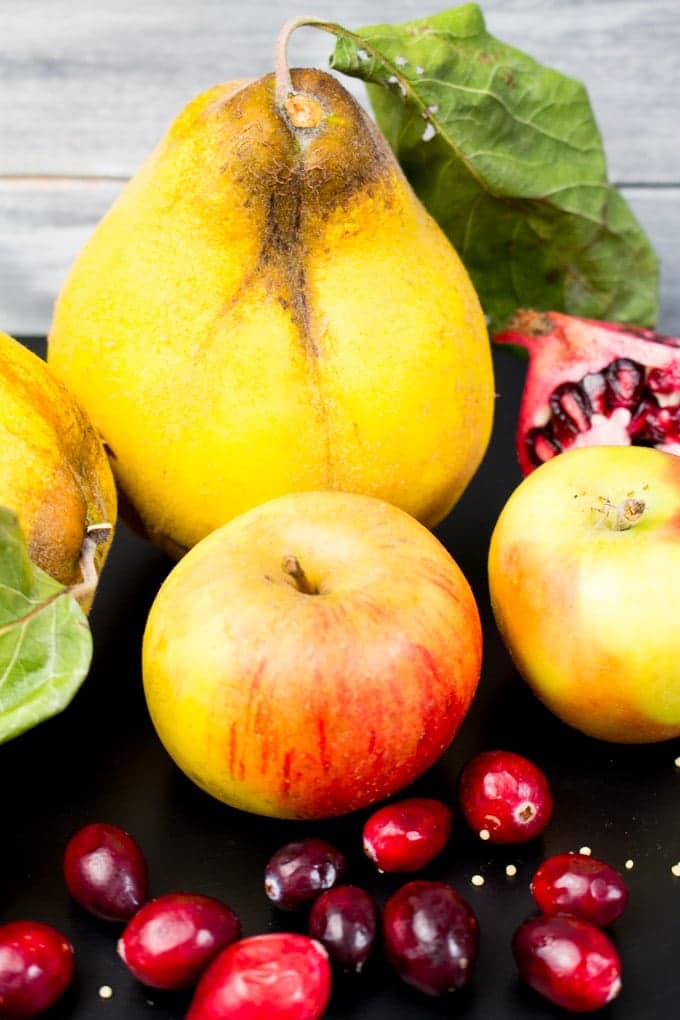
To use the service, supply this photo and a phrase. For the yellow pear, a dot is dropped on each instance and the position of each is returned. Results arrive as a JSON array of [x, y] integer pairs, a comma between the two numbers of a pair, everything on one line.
[[267, 308], [54, 473]]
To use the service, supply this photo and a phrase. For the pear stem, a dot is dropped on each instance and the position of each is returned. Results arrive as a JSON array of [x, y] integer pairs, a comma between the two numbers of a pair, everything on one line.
[[292, 566], [94, 536]]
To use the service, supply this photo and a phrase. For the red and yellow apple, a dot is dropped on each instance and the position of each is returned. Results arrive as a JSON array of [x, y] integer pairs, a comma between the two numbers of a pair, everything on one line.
[[584, 578], [312, 656]]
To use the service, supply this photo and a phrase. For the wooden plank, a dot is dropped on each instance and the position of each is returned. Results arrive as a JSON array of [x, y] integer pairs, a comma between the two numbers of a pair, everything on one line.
[[88, 88], [44, 224]]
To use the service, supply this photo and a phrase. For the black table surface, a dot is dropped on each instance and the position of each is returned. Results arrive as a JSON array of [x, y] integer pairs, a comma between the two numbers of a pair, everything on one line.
[[101, 761]]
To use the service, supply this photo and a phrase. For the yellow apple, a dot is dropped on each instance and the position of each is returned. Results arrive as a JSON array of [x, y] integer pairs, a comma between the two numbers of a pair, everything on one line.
[[312, 656], [584, 577]]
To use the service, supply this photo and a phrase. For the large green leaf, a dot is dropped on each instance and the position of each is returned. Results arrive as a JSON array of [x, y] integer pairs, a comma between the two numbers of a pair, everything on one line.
[[45, 640], [506, 155]]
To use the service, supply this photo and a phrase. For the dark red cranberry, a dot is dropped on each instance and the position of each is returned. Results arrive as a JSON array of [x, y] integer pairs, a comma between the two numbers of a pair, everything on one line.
[[582, 885], [172, 939], [344, 920], [408, 834], [568, 960], [505, 797], [265, 977], [299, 871], [105, 871], [431, 936], [36, 966]]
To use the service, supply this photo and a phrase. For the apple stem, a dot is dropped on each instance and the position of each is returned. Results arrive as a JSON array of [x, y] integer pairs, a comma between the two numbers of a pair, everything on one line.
[[621, 516], [292, 566]]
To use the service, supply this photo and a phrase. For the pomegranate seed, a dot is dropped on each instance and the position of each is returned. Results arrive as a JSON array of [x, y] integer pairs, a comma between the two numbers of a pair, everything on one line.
[[265, 977], [344, 921], [299, 871], [172, 939], [665, 381], [595, 389], [541, 445], [431, 936], [407, 835], [36, 966], [624, 380], [569, 961], [105, 871], [571, 409], [582, 885], [505, 796]]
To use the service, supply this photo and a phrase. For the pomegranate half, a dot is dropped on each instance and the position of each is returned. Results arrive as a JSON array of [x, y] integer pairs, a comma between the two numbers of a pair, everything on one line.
[[593, 383]]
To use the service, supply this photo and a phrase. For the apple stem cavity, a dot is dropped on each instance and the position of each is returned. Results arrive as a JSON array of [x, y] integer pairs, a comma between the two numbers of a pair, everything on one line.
[[292, 566], [620, 516]]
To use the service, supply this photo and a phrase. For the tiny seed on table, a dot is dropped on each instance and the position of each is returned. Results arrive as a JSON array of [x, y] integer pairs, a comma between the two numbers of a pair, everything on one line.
[[510, 870], [677, 762], [477, 880], [629, 864], [676, 870], [586, 851], [105, 992]]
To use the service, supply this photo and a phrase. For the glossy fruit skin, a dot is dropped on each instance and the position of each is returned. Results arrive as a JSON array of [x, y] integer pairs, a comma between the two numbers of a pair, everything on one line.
[[506, 796], [345, 920], [297, 872], [581, 885], [308, 704], [431, 936], [36, 967], [105, 871], [569, 961], [559, 564], [593, 383], [406, 835], [171, 939], [331, 411], [281, 976]]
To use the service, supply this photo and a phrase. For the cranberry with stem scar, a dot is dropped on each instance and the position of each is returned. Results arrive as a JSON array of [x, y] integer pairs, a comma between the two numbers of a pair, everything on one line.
[[344, 920], [582, 885], [406, 835], [105, 871], [505, 797], [299, 871], [281, 976], [36, 967], [569, 961], [171, 940]]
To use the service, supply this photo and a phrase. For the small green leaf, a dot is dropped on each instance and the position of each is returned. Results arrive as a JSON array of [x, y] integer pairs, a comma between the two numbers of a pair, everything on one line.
[[45, 639], [507, 157]]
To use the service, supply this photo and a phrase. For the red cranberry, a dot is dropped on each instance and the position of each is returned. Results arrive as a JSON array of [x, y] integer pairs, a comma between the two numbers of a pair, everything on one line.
[[505, 797], [581, 885], [407, 835], [36, 966], [172, 939], [344, 920], [569, 961], [299, 871], [431, 936], [265, 977], [105, 871]]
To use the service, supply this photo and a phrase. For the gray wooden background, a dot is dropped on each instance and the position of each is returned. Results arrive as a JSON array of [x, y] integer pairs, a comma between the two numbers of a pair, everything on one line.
[[88, 86]]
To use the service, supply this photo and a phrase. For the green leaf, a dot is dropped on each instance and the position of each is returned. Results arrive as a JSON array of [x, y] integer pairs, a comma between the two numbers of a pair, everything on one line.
[[507, 157], [45, 639]]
